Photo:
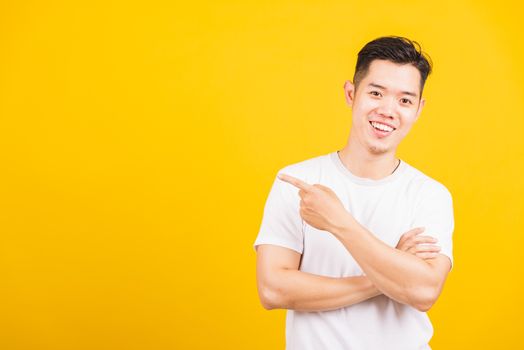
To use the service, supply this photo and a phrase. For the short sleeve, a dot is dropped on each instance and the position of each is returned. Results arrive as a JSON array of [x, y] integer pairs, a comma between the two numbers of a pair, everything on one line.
[[282, 224], [434, 211]]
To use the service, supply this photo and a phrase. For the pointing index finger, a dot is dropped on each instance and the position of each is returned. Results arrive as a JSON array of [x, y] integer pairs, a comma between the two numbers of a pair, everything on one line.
[[295, 182]]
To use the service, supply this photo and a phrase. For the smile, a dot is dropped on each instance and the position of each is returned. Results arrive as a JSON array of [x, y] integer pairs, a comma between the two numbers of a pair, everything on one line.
[[381, 127]]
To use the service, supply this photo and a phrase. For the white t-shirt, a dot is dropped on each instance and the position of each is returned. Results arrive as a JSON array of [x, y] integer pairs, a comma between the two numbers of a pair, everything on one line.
[[388, 208]]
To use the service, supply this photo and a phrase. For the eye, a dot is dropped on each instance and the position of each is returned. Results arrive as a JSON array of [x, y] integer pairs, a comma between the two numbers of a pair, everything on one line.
[[375, 93], [405, 100]]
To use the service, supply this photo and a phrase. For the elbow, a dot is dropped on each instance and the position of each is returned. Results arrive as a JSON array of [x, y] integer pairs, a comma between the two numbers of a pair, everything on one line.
[[423, 299], [270, 298], [267, 299], [424, 306]]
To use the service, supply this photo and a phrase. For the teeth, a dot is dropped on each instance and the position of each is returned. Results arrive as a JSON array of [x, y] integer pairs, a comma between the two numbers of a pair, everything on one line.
[[381, 127]]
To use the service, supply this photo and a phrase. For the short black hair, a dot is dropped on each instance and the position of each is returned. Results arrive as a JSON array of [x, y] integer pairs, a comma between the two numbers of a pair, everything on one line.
[[396, 49]]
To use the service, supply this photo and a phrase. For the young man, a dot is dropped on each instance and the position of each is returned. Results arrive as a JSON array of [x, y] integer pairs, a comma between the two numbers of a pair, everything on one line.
[[348, 240]]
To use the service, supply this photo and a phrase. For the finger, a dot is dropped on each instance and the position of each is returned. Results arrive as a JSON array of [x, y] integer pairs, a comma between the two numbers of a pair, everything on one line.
[[322, 187], [427, 255], [406, 247], [427, 248], [412, 233], [412, 250], [411, 243], [425, 239], [302, 193], [295, 182], [409, 234]]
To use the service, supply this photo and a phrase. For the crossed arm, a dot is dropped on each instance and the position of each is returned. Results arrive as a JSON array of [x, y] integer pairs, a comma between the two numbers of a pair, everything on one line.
[[398, 274], [409, 273], [282, 286]]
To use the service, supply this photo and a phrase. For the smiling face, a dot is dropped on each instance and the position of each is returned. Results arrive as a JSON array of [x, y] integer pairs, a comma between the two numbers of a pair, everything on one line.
[[385, 105]]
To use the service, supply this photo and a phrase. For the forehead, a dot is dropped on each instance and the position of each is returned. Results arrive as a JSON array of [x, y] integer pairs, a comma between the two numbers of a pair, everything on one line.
[[393, 76]]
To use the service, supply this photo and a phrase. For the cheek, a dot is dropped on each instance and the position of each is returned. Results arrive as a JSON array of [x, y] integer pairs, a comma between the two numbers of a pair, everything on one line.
[[366, 105], [406, 126], [410, 118], [362, 110]]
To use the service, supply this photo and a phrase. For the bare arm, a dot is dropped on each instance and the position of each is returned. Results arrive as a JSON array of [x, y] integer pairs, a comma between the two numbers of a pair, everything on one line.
[[399, 275], [282, 286]]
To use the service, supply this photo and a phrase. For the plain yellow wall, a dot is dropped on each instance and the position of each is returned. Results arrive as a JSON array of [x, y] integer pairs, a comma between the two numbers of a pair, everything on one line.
[[139, 143]]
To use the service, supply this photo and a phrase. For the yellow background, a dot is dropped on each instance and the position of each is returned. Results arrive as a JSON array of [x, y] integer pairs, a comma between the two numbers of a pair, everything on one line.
[[139, 143]]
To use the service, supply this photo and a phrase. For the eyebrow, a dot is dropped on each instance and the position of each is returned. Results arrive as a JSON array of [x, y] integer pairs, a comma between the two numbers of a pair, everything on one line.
[[384, 88]]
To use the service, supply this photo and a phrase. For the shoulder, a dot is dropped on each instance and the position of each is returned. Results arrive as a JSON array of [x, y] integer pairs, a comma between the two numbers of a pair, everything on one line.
[[427, 187], [306, 170]]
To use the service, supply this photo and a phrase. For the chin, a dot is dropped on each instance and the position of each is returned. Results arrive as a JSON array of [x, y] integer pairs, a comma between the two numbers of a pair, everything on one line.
[[377, 149]]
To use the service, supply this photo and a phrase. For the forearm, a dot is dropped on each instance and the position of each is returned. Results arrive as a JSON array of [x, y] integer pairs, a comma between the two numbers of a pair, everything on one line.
[[398, 274], [302, 291]]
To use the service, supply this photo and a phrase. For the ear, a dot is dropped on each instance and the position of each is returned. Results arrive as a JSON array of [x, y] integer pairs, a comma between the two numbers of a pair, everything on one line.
[[349, 92], [420, 106]]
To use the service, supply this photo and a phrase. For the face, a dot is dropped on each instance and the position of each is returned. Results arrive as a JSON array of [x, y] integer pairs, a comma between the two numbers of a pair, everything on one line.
[[385, 105]]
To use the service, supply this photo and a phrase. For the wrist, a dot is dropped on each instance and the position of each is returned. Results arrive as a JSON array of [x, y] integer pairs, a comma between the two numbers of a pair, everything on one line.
[[344, 226], [371, 288]]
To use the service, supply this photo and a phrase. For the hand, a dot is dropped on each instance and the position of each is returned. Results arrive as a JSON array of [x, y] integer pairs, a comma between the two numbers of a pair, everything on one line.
[[319, 205], [411, 242]]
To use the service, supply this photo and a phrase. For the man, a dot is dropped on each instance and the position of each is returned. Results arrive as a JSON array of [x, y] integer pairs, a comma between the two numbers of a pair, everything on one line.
[[348, 240]]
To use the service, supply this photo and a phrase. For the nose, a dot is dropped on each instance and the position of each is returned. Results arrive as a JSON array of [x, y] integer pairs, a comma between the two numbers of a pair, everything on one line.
[[387, 108]]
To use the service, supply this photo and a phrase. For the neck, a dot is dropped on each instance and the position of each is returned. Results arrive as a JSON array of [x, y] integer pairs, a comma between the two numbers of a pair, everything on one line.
[[362, 163]]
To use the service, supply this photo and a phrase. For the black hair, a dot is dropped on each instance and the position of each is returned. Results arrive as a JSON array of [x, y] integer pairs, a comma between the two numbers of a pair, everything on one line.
[[396, 49]]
